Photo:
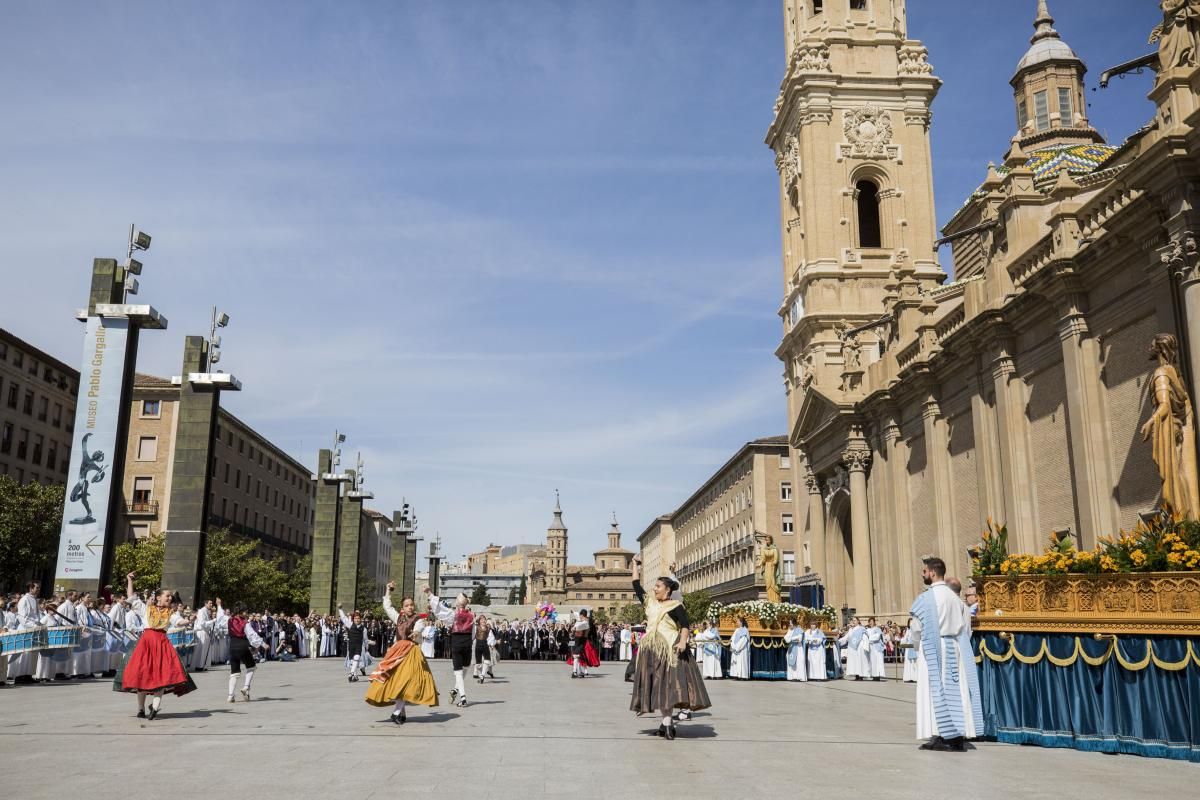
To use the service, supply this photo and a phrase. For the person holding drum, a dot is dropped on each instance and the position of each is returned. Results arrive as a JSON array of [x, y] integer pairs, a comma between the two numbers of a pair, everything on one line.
[[154, 667]]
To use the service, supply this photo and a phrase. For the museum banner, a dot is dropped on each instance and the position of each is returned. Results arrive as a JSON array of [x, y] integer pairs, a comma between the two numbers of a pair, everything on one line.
[[93, 451]]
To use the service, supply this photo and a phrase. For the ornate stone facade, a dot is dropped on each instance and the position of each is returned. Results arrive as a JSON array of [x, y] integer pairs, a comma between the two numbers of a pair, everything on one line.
[[918, 406]]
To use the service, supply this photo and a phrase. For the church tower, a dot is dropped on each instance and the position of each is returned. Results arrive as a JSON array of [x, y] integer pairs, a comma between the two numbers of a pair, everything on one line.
[[851, 143], [1048, 90], [556, 555]]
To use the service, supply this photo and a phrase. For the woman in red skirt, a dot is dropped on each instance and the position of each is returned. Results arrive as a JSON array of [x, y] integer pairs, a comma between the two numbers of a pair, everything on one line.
[[155, 666]]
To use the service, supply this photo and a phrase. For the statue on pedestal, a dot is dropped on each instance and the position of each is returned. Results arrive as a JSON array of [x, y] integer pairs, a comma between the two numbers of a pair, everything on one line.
[[768, 562], [1178, 35], [1171, 430]]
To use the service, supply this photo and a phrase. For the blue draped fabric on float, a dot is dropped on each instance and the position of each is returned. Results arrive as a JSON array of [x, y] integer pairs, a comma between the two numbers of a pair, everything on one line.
[[1134, 694], [768, 659]]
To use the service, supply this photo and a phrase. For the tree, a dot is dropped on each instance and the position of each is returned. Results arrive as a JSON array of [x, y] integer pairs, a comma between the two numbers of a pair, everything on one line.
[[601, 616], [300, 583], [696, 605], [479, 597], [369, 595], [143, 556], [513, 597], [632, 613], [523, 593], [233, 573], [30, 523]]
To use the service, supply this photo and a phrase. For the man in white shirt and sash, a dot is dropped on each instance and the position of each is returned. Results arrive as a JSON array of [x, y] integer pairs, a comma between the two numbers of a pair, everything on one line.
[[203, 627], [948, 706], [626, 642]]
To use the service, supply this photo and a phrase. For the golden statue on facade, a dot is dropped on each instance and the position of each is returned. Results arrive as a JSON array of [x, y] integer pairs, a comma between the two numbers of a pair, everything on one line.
[[1171, 430], [768, 562]]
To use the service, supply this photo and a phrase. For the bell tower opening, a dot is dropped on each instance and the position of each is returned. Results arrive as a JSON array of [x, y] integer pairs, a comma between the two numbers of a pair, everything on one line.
[[867, 198]]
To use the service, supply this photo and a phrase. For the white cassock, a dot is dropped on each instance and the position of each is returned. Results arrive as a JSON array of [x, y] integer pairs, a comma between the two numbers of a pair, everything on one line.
[[116, 641], [28, 616], [952, 618], [314, 640], [52, 662], [75, 660], [739, 654], [708, 651], [98, 661], [852, 641], [814, 647], [873, 653], [203, 628], [626, 644], [8, 621], [221, 636], [428, 635], [910, 657], [794, 639]]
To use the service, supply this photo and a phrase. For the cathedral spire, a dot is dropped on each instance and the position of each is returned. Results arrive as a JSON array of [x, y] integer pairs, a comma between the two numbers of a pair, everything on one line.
[[1043, 25], [558, 524]]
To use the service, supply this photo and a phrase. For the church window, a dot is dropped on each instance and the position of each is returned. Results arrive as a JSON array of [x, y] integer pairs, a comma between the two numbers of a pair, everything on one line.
[[1022, 114], [1064, 106], [868, 214], [818, 6], [1041, 110], [858, 5]]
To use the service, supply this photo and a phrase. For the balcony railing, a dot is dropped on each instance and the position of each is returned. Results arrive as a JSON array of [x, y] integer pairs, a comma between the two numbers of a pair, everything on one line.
[[145, 509]]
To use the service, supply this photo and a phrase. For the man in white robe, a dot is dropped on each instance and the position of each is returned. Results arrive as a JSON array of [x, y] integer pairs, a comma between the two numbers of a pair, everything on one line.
[[117, 638], [626, 643], [21, 667], [794, 639], [873, 651], [428, 638], [739, 652], [814, 647], [201, 654], [948, 707], [710, 651], [852, 641]]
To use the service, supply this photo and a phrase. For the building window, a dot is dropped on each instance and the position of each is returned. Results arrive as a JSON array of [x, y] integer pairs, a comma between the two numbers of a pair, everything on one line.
[[787, 523], [789, 567], [867, 194], [1022, 114], [147, 449], [39, 441], [152, 408], [143, 493], [1041, 111], [1064, 107], [33, 367], [858, 5], [52, 454], [56, 421], [6, 437], [140, 531], [18, 359], [14, 392], [43, 408], [27, 407], [23, 444], [818, 6], [785, 462], [785, 490]]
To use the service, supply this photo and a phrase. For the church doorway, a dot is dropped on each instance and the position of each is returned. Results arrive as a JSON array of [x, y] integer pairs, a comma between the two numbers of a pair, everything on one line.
[[839, 549]]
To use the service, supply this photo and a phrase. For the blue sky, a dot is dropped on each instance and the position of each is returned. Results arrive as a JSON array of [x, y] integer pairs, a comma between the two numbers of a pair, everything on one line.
[[509, 247]]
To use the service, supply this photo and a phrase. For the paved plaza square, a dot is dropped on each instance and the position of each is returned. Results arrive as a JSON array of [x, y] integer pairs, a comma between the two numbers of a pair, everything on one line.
[[532, 733]]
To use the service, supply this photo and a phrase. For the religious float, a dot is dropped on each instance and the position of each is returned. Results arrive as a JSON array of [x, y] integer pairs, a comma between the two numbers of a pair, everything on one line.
[[767, 622], [1096, 649]]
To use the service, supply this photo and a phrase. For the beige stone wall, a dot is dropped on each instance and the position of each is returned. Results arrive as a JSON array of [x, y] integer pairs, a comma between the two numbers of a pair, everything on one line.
[[37, 412]]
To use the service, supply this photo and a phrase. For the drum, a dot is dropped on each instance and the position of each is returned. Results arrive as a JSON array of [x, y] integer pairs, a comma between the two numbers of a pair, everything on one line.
[[26, 641], [62, 638], [183, 641]]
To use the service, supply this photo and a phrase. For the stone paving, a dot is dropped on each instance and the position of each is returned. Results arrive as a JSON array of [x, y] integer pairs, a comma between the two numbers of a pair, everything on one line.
[[531, 733]]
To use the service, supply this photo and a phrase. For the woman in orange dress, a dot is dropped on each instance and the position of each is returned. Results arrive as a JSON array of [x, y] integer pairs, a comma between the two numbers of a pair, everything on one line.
[[403, 674], [154, 667]]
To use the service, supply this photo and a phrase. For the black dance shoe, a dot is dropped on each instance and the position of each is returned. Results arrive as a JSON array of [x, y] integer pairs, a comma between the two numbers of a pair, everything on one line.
[[937, 743], [671, 732], [662, 731], [152, 713], [141, 713]]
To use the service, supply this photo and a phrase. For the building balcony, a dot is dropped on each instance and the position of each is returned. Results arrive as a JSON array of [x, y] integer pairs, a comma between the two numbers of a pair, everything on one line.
[[144, 509]]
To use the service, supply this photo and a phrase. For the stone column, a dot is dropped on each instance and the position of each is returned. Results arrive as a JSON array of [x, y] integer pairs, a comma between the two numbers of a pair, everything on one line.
[[349, 533], [399, 552], [897, 464], [1015, 462], [324, 538], [856, 458], [816, 524], [1087, 419], [187, 520], [1182, 258], [937, 454], [410, 566]]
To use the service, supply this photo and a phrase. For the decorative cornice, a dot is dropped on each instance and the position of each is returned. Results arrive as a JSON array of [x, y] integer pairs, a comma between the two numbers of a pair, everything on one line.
[[1182, 258], [857, 457]]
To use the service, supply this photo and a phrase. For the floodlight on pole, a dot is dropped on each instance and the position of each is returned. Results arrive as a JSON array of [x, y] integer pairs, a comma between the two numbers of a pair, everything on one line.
[[219, 320], [138, 240]]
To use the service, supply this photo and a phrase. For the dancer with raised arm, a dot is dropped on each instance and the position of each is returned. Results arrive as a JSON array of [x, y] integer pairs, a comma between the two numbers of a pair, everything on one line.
[[243, 641], [462, 624], [154, 667], [666, 677], [403, 675]]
